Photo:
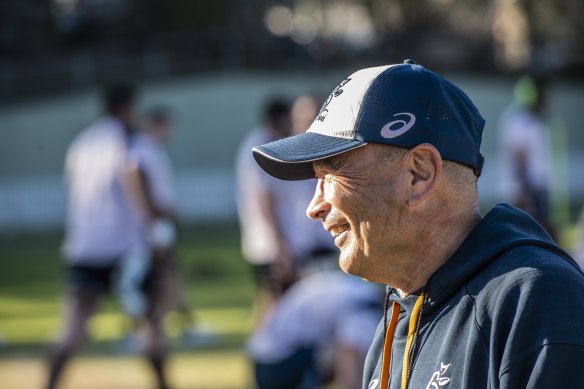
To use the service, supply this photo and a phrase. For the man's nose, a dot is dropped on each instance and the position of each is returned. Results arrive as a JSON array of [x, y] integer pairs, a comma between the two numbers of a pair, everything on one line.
[[318, 206]]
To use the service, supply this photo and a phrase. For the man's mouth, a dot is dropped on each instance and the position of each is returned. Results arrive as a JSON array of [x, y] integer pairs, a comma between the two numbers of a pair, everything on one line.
[[338, 230]]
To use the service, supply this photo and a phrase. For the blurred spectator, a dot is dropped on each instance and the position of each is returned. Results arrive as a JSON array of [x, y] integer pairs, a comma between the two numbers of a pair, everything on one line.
[[319, 331], [579, 246], [304, 111], [321, 327], [311, 244], [264, 211], [150, 186], [101, 230], [526, 150], [153, 287]]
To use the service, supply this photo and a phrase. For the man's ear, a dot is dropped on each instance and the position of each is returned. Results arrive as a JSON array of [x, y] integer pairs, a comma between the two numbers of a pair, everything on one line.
[[425, 168]]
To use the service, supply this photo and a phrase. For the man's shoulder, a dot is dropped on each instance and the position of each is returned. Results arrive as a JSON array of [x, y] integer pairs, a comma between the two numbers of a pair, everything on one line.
[[143, 147], [542, 257], [519, 126], [101, 141], [530, 278], [103, 130]]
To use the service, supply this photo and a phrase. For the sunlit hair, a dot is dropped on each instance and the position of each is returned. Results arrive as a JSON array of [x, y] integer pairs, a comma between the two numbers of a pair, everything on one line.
[[459, 176], [389, 153]]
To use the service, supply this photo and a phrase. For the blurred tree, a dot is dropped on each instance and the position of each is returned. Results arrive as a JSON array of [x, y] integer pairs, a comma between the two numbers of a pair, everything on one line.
[[545, 34], [146, 38]]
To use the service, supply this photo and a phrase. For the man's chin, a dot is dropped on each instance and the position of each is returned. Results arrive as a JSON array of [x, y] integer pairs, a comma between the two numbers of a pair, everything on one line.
[[347, 264]]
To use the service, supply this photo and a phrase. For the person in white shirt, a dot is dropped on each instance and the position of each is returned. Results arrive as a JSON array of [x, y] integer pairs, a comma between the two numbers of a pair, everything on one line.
[[318, 332], [101, 226], [151, 189], [525, 150], [152, 286], [312, 247], [263, 208], [578, 249]]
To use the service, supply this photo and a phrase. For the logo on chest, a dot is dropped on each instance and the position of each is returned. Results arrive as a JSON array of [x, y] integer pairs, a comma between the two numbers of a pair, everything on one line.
[[438, 378]]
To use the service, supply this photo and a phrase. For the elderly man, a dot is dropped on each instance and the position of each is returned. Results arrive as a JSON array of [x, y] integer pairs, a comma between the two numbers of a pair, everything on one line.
[[472, 301]]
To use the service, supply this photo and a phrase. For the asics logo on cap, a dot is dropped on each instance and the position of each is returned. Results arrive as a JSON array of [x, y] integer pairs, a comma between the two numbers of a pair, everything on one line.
[[388, 132]]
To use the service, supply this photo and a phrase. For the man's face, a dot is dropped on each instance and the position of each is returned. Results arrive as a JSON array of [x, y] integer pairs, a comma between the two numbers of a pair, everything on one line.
[[361, 199]]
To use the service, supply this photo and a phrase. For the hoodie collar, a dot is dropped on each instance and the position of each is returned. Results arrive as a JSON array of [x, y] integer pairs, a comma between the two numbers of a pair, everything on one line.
[[502, 228]]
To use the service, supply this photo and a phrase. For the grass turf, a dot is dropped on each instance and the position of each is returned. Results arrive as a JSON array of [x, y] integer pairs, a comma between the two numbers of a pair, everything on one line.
[[217, 285]]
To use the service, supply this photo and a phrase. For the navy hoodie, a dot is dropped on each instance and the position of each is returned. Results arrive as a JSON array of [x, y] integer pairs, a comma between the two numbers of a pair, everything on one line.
[[505, 311]]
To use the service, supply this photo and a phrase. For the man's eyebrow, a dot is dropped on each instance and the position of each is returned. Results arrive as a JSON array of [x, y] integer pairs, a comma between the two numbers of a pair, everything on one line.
[[324, 164]]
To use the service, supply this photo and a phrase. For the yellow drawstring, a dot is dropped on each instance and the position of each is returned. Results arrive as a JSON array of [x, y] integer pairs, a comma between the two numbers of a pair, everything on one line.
[[386, 355], [411, 331]]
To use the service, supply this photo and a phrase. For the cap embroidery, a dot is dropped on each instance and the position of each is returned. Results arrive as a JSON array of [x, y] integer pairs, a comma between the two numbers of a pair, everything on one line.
[[335, 93]]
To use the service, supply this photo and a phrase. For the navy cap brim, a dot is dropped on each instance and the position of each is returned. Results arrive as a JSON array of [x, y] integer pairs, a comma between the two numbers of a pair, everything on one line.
[[291, 158]]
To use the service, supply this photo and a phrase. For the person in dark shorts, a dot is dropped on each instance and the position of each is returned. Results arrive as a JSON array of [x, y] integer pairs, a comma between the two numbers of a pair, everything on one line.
[[100, 230]]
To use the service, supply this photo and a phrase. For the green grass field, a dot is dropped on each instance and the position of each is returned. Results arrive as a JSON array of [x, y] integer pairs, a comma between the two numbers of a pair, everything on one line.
[[218, 287]]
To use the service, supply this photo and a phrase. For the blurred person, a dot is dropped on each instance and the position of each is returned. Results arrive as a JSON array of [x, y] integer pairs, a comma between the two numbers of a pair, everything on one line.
[[149, 183], [295, 346], [101, 228], [304, 110], [472, 301], [311, 245], [151, 286], [578, 248], [318, 333], [525, 144], [263, 211]]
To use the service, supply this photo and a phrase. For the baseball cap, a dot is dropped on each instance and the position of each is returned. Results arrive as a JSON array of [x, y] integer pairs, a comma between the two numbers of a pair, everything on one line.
[[402, 105]]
